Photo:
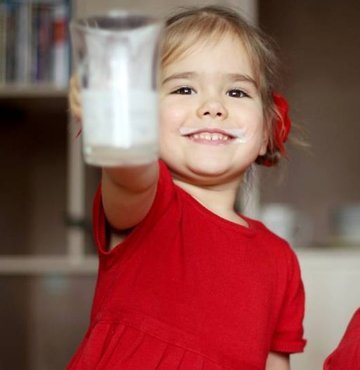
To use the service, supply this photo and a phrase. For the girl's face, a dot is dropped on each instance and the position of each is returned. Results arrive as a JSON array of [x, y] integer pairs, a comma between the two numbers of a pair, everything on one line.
[[211, 114]]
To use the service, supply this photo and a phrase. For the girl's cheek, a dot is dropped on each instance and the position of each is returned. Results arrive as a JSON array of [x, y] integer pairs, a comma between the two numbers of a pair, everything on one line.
[[171, 114], [165, 120]]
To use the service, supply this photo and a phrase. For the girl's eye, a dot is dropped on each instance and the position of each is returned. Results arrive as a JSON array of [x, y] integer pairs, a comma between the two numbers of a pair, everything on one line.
[[183, 91], [237, 93]]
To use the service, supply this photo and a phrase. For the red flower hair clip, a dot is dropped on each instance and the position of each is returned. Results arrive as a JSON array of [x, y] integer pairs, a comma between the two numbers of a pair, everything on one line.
[[283, 123], [282, 129]]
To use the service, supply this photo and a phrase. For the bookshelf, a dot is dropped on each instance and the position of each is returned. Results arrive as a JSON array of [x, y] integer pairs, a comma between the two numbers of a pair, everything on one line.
[[42, 272], [34, 73]]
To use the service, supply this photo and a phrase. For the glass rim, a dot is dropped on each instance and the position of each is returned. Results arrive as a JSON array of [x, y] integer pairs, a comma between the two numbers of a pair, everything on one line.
[[90, 24]]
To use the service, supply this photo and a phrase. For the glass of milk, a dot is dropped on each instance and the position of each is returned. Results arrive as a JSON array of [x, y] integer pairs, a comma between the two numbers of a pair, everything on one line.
[[116, 59]]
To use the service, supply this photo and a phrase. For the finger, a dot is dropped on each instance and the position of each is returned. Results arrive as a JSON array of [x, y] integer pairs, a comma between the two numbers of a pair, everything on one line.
[[75, 98], [75, 90], [76, 84], [75, 107]]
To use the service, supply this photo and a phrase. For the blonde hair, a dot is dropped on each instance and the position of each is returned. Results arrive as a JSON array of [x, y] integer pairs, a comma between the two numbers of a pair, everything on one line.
[[192, 25]]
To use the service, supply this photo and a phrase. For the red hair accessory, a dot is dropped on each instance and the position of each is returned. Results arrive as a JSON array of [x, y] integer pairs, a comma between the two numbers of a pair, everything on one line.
[[283, 123], [282, 129]]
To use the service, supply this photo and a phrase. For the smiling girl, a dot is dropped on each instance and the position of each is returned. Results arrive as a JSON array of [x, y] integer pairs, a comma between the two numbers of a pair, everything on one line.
[[185, 281]]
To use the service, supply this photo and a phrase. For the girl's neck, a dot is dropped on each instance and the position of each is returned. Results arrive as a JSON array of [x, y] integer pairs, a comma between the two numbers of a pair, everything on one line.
[[219, 199]]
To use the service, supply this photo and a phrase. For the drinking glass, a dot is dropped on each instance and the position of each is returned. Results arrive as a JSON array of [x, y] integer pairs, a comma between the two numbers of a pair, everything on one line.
[[116, 61]]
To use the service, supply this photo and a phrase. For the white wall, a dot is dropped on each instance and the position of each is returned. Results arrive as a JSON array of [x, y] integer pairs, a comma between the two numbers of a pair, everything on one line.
[[332, 285]]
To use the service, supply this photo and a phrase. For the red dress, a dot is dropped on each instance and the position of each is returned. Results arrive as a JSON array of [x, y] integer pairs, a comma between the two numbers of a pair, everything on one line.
[[347, 355], [189, 290]]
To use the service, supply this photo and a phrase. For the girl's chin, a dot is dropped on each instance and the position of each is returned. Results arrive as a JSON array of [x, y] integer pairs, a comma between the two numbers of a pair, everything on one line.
[[201, 166], [209, 168]]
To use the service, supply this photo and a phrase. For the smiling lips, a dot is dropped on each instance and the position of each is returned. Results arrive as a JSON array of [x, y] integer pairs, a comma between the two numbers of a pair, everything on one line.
[[214, 136]]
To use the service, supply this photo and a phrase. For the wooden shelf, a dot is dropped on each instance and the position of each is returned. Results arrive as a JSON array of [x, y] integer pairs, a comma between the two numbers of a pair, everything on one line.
[[35, 90], [45, 265]]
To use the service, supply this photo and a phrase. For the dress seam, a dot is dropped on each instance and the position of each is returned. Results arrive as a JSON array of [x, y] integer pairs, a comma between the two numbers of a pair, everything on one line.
[[161, 339]]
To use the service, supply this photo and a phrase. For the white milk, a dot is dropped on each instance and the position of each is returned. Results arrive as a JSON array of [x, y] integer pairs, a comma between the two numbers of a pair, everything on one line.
[[120, 126]]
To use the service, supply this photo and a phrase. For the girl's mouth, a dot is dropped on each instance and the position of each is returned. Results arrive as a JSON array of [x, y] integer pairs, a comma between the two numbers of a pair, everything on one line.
[[214, 135]]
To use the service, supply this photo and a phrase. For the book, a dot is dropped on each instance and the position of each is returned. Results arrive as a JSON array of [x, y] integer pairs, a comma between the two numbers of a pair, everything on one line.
[[23, 43], [10, 41], [61, 47], [44, 34], [3, 30]]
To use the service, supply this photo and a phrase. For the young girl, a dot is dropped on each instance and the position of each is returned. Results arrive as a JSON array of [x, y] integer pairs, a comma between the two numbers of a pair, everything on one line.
[[186, 282]]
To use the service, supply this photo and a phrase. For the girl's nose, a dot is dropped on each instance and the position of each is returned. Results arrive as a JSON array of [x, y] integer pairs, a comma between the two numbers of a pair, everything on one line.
[[212, 108]]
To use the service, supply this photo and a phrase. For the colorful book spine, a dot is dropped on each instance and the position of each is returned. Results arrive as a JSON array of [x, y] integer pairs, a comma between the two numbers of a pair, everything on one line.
[[61, 47], [10, 41], [34, 41], [45, 43], [3, 29], [23, 43]]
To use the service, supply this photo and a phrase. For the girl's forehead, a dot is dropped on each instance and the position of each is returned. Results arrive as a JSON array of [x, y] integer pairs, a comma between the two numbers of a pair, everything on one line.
[[191, 43], [213, 49]]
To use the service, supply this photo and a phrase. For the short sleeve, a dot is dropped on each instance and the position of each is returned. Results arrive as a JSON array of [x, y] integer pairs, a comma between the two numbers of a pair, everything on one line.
[[101, 228], [288, 335]]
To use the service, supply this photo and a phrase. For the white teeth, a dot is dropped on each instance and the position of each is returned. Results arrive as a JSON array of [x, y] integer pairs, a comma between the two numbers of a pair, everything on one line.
[[210, 136], [233, 132], [239, 135]]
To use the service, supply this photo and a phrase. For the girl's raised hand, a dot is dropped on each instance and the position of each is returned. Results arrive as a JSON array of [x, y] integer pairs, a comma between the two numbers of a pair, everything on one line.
[[74, 98]]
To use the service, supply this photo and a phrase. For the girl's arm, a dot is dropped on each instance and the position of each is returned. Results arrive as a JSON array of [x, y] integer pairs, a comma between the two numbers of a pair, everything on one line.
[[278, 361], [127, 193]]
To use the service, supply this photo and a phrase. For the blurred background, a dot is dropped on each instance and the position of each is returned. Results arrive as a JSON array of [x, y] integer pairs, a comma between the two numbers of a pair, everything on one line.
[[47, 258]]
